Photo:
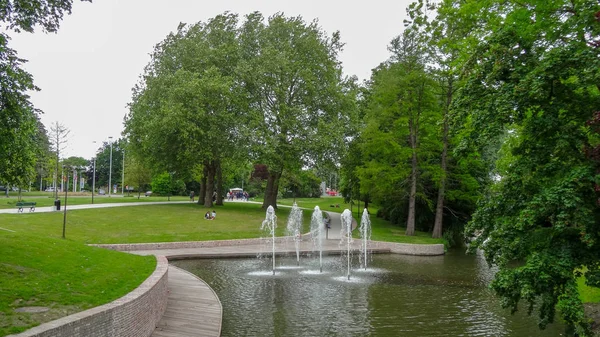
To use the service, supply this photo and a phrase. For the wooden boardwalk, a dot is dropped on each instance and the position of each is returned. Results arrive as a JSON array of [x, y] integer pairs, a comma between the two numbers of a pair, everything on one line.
[[193, 309]]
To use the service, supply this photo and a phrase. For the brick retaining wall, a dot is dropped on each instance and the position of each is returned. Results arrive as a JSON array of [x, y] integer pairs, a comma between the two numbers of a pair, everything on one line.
[[410, 248], [133, 315], [128, 247]]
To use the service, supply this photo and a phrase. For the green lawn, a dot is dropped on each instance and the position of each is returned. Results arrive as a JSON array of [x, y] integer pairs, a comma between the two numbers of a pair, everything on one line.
[[152, 223], [63, 275]]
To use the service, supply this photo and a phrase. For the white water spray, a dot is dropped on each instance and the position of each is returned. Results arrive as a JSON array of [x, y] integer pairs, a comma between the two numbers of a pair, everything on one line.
[[365, 234], [346, 233], [316, 230], [269, 225], [293, 229]]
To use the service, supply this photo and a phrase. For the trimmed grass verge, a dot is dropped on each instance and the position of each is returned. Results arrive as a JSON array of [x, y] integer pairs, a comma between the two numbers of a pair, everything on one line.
[[62, 275]]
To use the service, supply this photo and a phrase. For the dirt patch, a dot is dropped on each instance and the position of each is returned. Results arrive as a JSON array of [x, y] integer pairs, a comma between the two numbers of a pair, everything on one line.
[[592, 311], [32, 310]]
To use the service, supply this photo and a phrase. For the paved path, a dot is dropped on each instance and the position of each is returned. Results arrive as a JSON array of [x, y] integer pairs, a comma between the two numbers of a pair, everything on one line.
[[48, 209], [193, 309]]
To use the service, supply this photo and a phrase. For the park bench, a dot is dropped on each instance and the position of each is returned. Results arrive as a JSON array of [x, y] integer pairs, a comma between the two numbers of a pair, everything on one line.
[[22, 204]]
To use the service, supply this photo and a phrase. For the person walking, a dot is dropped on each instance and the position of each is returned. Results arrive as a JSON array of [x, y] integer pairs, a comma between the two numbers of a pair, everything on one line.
[[192, 195]]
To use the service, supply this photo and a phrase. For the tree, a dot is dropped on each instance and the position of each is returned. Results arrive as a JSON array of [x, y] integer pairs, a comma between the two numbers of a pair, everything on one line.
[[18, 117], [399, 140], [301, 107], [137, 174], [58, 136], [188, 111], [103, 171], [532, 81]]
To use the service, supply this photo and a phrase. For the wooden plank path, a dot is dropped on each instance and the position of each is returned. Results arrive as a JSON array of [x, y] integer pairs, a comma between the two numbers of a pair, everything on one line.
[[193, 309]]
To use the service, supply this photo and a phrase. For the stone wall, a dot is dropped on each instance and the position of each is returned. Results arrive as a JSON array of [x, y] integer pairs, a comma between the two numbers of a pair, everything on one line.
[[410, 248], [133, 315], [128, 247]]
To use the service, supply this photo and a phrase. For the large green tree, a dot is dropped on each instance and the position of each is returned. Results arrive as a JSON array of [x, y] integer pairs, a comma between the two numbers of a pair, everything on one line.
[[533, 81], [302, 107], [188, 112], [400, 141]]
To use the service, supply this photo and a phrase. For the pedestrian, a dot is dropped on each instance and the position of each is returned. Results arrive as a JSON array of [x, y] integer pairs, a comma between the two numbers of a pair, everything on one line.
[[207, 216], [192, 196], [214, 214]]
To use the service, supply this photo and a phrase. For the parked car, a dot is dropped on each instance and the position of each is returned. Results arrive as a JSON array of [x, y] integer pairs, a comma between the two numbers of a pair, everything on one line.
[[148, 193], [101, 192], [49, 189]]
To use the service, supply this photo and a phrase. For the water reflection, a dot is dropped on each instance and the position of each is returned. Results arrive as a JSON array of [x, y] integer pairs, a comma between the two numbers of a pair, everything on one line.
[[399, 296]]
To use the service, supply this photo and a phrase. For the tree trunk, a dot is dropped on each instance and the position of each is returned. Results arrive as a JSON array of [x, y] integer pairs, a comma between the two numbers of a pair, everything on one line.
[[439, 211], [219, 183], [202, 194], [210, 185], [410, 222], [272, 189]]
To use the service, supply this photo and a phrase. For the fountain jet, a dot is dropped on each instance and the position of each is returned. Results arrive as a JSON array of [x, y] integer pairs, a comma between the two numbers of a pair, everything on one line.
[[317, 228], [293, 229], [269, 226], [346, 233], [365, 234]]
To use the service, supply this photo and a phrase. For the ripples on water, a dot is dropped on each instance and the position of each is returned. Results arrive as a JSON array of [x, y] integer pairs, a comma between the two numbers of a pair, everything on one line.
[[396, 296]]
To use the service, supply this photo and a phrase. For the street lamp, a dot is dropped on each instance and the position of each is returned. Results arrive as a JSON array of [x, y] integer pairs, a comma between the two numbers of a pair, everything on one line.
[[94, 175], [110, 168], [123, 173]]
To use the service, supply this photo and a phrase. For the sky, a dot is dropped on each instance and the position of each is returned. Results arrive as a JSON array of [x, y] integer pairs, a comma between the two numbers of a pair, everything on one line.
[[86, 71]]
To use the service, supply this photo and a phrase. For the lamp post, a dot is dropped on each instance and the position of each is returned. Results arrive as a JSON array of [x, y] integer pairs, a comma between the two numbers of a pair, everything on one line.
[[123, 174], [110, 168], [94, 176]]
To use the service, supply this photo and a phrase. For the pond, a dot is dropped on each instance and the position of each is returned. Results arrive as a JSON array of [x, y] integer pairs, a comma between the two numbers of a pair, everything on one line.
[[396, 296]]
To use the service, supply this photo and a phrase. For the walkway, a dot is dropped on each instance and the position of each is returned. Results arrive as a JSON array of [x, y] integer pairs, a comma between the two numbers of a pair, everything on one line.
[[48, 209], [193, 309]]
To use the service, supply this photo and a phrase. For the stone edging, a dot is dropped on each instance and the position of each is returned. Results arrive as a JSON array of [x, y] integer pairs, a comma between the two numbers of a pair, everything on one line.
[[410, 248], [133, 315], [128, 247], [397, 248]]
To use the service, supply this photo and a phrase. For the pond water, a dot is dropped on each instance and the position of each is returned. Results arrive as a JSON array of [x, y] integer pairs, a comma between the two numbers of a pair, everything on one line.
[[396, 296]]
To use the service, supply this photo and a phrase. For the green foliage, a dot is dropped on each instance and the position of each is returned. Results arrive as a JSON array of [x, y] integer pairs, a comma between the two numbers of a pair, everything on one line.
[[165, 184], [531, 86], [20, 136], [303, 184]]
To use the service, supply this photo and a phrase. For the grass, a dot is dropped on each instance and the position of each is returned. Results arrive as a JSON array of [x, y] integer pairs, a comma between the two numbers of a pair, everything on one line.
[[587, 294], [156, 223], [63, 275]]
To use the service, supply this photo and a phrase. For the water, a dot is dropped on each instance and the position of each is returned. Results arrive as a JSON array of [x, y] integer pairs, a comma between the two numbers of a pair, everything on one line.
[[317, 231], [396, 296], [346, 235], [365, 235], [268, 226], [293, 229]]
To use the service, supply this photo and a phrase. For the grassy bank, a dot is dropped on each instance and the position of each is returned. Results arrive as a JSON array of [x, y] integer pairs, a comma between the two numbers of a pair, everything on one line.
[[62, 275]]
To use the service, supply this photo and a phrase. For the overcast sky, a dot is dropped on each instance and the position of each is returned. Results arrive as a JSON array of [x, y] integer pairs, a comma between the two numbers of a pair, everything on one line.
[[87, 69]]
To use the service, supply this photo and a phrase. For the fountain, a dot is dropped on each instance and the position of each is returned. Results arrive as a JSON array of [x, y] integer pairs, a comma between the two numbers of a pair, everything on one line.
[[316, 230], [346, 234], [293, 229], [269, 226], [365, 235]]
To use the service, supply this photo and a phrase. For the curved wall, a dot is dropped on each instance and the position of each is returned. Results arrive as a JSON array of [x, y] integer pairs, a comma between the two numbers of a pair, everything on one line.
[[133, 315]]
